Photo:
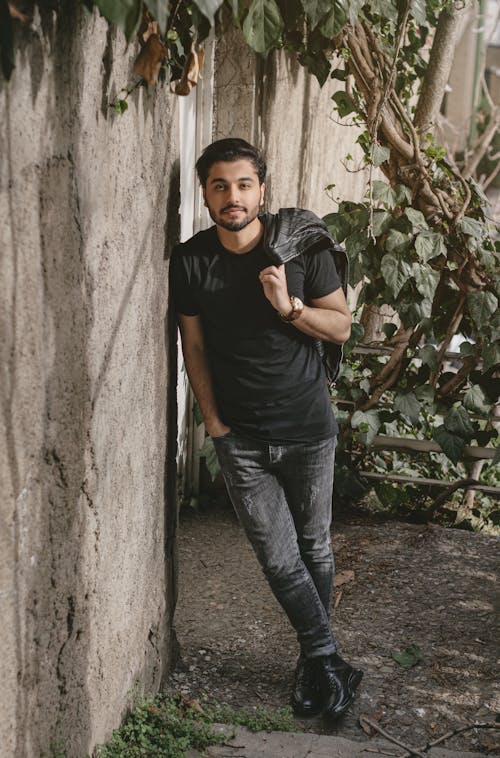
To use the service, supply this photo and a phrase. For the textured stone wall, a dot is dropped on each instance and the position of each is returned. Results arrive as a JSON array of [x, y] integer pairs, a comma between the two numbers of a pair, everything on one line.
[[278, 106], [88, 207]]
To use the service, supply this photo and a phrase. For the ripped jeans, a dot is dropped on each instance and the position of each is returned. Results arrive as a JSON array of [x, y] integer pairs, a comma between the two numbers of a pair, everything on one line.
[[282, 495]]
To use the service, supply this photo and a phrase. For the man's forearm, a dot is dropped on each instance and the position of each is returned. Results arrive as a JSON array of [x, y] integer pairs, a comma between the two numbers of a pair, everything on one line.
[[324, 324], [200, 378]]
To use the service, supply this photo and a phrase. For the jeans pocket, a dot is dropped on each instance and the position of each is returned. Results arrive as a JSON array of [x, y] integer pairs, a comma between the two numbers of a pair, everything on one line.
[[223, 436]]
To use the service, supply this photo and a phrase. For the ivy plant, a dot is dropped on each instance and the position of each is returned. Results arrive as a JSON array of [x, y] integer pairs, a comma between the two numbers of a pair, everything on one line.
[[420, 242]]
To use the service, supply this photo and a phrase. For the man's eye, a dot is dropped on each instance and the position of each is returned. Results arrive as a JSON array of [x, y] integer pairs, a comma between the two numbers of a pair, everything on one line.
[[245, 185], [219, 186]]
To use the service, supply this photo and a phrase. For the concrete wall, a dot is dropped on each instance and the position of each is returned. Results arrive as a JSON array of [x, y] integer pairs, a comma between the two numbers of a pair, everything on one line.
[[88, 203], [278, 106]]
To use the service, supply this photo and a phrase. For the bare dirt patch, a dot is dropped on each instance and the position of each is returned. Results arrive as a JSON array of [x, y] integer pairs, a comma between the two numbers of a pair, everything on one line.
[[412, 585]]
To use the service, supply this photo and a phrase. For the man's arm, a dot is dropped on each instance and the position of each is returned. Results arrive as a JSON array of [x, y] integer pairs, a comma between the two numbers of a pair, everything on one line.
[[195, 359], [327, 318]]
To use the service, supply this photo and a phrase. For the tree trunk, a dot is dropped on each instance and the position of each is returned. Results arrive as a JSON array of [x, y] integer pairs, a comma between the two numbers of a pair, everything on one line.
[[440, 63]]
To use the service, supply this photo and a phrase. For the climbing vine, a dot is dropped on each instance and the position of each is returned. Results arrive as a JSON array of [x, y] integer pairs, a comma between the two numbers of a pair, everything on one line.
[[421, 242]]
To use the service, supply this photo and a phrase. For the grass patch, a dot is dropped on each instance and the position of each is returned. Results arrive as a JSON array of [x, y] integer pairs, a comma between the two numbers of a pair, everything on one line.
[[257, 719], [169, 726]]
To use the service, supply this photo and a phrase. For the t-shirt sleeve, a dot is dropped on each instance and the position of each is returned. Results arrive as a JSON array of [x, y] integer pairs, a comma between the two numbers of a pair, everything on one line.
[[321, 277], [182, 288]]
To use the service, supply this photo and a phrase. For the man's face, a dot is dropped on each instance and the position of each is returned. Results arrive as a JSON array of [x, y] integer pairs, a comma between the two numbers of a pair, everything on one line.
[[233, 194]]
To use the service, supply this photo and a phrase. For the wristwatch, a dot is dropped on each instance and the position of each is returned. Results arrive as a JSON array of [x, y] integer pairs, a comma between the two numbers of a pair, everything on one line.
[[297, 308]]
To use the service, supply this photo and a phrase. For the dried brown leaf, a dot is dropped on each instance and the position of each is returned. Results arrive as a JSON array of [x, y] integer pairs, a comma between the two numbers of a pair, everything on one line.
[[191, 71], [365, 726], [343, 577], [152, 28], [338, 598], [148, 62]]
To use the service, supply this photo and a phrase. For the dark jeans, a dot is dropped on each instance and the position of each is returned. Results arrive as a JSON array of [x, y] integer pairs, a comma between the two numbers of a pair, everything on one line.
[[282, 495]]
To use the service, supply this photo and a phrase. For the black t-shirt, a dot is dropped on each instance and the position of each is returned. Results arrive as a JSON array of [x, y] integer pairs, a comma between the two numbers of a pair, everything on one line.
[[268, 378]]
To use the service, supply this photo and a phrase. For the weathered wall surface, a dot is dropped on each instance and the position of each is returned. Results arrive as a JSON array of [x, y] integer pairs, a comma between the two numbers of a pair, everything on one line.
[[85, 198], [281, 108]]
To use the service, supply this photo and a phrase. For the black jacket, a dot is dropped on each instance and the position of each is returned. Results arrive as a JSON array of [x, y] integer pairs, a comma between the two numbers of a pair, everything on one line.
[[293, 231]]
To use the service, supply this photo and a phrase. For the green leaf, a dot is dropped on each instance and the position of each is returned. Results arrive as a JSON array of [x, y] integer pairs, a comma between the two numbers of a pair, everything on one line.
[[317, 64], [336, 19], [475, 400], [354, 9], [385, 193], [121, 106], [210, 454], [385, 9], [356, 243], [482, 305], [429, 245], [403, 194], [473, 227], [408, 657], [368, 424], [380, 154], [208, 7], [124, 13], [408, 406], [426, 280], [357, 333], [418, 11], [338, 226], [395, 271], [159, 11], [457, 421], [198, 417], [428, 355], [389, 330], [466, 348], [495, 327], [425, 394], [397, 242], [382, 221], [491, 356], [451, 444], [416, 219], [344, 103], [263, 26], [315, 10]]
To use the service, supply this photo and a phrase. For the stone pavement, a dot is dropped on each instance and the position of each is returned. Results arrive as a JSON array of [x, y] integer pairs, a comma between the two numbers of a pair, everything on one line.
[[244, 744]]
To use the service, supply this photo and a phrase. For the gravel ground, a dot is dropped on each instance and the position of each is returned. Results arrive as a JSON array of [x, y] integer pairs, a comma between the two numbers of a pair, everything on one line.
[[397, 585]]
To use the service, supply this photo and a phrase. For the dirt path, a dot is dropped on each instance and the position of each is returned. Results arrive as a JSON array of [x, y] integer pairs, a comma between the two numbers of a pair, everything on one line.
[[412, 585]]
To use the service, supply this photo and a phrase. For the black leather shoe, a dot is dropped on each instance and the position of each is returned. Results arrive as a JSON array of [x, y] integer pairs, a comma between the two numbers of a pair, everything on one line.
[[337, 683], [306, 699]]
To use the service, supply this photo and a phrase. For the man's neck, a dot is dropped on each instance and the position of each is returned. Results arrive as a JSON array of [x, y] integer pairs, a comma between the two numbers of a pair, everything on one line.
[[244, 240]]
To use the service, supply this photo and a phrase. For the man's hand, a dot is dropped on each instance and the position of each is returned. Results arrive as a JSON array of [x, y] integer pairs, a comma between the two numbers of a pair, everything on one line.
[[216, 428], [273, 281]]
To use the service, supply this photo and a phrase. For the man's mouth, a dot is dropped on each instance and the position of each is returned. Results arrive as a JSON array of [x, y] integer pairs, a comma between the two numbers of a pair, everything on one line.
[[233, 209]]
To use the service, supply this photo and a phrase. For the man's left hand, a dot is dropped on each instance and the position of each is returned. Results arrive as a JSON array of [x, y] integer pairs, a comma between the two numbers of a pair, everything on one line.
[[273, 280]]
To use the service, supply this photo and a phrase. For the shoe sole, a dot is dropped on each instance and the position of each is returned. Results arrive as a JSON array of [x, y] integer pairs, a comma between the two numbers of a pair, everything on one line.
[[297, 711], [354, 682]]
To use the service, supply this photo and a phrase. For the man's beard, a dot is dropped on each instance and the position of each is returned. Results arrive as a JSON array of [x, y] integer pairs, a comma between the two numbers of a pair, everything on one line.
[[234, 226]]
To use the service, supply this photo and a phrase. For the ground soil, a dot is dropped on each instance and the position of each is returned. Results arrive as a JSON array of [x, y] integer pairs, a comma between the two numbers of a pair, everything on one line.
[[399, 584]]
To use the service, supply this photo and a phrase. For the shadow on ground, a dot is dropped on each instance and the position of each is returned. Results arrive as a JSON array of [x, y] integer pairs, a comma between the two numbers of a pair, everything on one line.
[[412, 585]]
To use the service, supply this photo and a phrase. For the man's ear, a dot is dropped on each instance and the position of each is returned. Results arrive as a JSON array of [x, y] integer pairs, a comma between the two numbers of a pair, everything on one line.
[[262, 193]]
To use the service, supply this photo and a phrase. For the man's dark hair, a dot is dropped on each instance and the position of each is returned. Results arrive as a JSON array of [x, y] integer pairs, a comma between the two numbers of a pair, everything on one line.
[[230, 149]]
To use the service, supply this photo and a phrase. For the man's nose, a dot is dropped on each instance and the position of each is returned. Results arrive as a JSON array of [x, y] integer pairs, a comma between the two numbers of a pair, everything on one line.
[[233, 194]]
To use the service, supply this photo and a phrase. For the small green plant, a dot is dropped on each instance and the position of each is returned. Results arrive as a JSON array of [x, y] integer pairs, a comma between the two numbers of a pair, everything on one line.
[[168, 726], [257, 719], [161, 726]]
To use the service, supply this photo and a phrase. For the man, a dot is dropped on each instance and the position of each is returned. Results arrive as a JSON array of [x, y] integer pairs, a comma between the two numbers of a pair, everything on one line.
[[248, 344]]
